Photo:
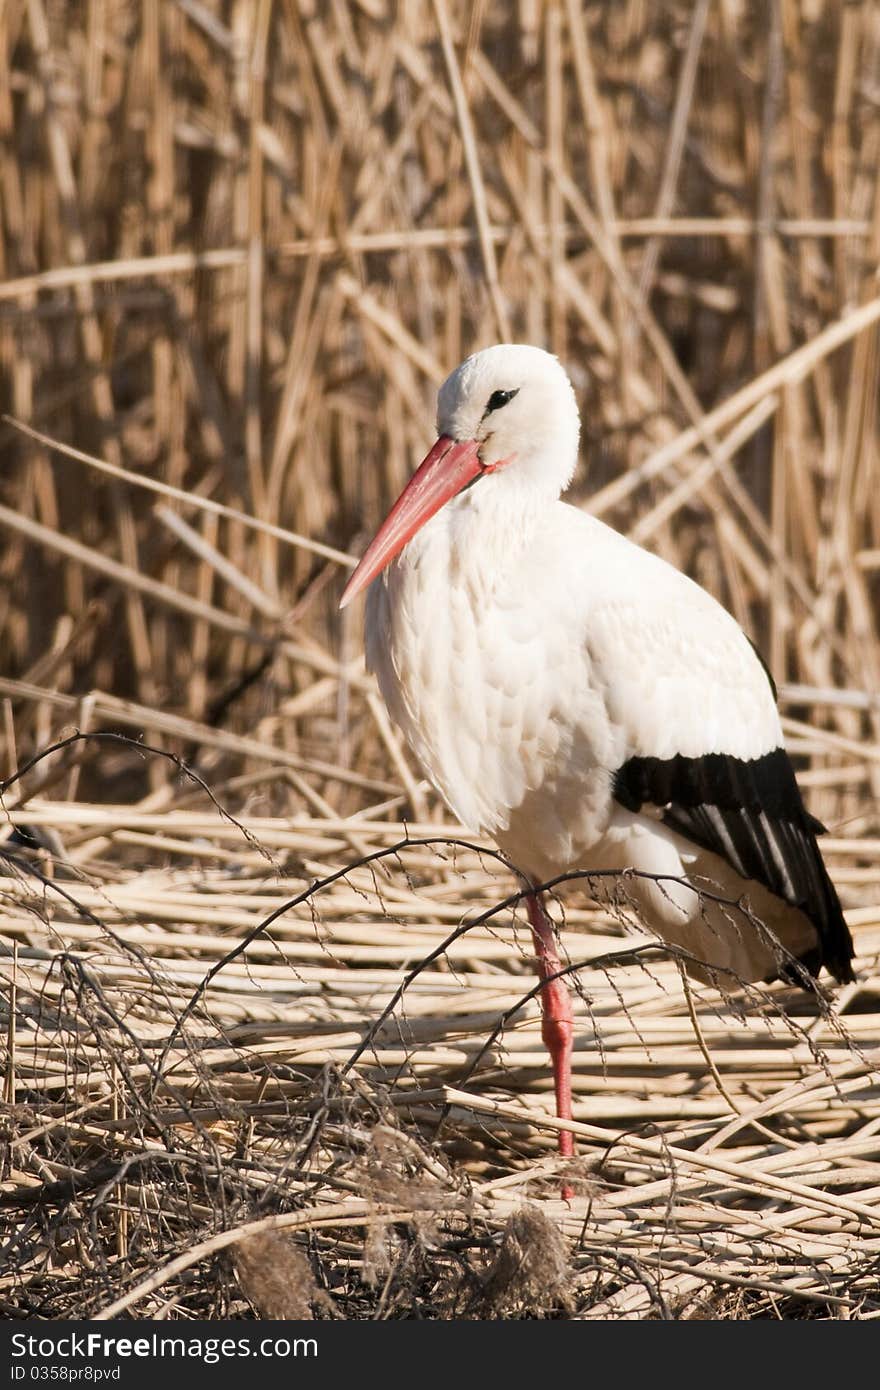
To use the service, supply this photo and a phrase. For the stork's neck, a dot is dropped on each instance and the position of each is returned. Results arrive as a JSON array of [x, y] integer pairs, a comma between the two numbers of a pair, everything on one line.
[[483, 532]]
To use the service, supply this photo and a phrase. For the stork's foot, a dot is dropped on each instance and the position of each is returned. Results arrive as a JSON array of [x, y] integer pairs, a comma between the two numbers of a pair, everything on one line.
[[557, 1028]]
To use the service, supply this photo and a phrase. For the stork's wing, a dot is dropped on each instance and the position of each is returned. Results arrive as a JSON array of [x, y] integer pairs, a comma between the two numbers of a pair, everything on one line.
[[701, 738], [751, 814]]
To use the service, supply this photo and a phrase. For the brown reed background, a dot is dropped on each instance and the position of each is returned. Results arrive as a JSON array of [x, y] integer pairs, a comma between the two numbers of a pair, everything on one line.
[[242, 243]]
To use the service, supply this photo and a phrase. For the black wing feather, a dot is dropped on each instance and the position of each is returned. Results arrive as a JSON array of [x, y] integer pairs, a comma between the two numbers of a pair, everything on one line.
[[751, 813]]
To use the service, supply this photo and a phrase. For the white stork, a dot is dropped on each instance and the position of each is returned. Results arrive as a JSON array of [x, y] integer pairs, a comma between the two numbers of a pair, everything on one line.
[[583, 701]]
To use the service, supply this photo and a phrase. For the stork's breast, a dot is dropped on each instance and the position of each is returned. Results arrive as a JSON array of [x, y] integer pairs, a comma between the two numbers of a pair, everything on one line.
[[496, 701]]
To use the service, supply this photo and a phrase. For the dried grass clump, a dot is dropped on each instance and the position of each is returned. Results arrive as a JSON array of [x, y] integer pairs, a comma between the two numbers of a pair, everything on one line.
[[530, 1274], [277, 1278], [258, 988]]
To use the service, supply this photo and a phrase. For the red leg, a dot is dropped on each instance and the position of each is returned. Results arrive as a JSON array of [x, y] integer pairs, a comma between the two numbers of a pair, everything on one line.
[[557, 1028]]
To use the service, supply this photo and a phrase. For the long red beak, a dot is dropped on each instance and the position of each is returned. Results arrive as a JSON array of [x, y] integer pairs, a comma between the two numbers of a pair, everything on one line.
[[448, 468]]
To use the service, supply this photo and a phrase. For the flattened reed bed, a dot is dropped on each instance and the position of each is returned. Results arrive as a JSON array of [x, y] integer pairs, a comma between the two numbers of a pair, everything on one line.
[[156, 1124], [239, 248]]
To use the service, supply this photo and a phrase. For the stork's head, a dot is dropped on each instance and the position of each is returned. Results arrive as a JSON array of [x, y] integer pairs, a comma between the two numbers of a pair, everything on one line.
[[508, 424], [516, 403]]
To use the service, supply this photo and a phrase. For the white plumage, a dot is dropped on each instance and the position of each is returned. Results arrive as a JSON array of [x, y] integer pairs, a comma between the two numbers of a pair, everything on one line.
[[576, 696]]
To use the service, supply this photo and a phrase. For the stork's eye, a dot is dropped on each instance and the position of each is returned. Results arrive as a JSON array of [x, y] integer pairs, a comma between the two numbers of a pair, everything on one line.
[[500, 398]]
